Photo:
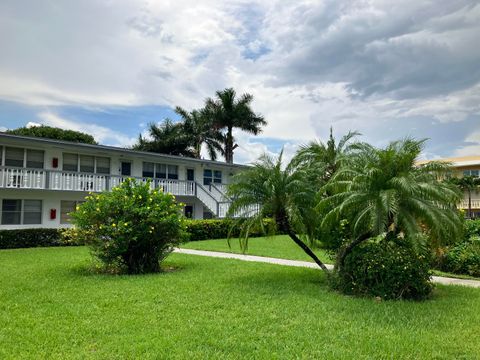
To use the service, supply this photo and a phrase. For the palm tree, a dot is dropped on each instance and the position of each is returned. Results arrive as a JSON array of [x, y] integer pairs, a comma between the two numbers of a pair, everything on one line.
[[228, 112], [383, 191], [273, 192], [467, 184], [199, 128], [325, 158], [166, 138], [319, 162]]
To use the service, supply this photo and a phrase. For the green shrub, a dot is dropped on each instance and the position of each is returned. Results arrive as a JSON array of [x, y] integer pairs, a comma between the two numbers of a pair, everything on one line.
[[220, 228], [471, 228], [38, 237], [386, 268], [463, 258], [132, 227]]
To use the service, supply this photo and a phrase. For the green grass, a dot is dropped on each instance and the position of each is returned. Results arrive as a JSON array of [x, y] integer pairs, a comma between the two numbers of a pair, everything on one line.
[[51, 307], [280, 246]]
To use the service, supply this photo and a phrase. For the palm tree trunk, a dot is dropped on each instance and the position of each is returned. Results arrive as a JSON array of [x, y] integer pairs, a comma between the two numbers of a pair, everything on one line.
[[348, 249], [229, 146], [307, 250], [469, 204], [284, 225]]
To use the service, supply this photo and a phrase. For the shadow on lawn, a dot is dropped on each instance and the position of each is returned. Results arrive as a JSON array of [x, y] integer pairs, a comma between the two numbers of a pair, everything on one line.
[[93, 268]]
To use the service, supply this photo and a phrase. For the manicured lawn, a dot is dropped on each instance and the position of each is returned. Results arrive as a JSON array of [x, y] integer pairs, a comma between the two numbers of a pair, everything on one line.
[[51, 307], [280, 246]]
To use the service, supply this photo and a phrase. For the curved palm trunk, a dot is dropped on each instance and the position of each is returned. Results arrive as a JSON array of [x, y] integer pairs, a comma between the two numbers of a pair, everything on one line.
[[284, 225], [348, 249]]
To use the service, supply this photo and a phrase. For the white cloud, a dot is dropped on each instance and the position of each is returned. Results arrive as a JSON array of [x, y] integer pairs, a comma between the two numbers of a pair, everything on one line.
[[353, 65], [31, 124]]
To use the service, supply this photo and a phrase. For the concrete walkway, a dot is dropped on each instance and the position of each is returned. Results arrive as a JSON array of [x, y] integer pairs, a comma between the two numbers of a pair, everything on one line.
[[306, 264]]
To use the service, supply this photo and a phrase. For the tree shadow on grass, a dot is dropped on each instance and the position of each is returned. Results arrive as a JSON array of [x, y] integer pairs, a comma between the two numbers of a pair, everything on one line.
[[95, 269]]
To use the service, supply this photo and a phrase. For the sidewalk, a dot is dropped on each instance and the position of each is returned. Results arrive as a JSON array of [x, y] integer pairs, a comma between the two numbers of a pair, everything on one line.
[[306, 264]]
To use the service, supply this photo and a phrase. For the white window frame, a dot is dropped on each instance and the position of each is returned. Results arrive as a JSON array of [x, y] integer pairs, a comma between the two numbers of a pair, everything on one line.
[[3, 150], [94, 163], [156, 167], [22, 211]]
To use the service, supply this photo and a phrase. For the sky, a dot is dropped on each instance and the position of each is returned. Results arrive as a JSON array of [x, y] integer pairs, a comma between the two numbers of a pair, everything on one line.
[[388, 69]]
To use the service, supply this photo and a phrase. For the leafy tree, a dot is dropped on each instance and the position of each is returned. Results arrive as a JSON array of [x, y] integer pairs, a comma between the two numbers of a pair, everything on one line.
[[55, 133], [198, 127], [383, 191], [268, 190], [132, 227], [166, 138], [467, 184], [228, 112]]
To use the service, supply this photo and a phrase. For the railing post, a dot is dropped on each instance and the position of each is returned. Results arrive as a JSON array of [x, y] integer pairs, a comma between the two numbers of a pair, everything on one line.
[[47, 179]]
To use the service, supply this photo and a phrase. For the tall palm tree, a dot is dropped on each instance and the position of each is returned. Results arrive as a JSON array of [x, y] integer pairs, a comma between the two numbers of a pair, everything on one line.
[[199, 128], [383, 191], [273, 192], [467, 184], [228, 112], [166, 138]]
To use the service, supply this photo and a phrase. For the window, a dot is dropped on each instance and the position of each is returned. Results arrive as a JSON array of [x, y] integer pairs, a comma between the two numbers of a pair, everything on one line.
[[11, 212], [103, 165], [20, 157], [70, 162], [15, 212], [210, 176], [207, 177], [32, 211], [161, 171], [148, 169], [217, 177], [14, 156], [66, 207], [173, 172], [87, 164], [471, 173], [35, 159]]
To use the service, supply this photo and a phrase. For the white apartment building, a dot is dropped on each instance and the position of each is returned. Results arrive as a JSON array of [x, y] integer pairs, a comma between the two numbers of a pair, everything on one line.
[[42, 180]]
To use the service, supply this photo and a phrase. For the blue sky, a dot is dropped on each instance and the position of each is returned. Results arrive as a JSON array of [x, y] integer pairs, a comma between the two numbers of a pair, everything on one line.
[[387, 69]]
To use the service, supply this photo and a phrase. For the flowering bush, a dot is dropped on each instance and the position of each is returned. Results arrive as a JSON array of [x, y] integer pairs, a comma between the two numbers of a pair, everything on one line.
[[132, 227], [388, 268]]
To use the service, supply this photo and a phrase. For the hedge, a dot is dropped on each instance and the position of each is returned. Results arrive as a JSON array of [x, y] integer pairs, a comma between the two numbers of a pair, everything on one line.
[[40, 237]]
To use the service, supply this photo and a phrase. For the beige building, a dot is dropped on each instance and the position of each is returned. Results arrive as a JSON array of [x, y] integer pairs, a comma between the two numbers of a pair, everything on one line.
[[466, 166]]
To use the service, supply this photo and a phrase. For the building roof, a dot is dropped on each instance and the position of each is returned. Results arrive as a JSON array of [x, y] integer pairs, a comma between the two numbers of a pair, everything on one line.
[[114, 149], [456, 161]]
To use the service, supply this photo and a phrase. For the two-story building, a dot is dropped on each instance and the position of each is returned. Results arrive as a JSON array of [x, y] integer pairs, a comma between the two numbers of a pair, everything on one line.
[[466, 166], [42, 180]]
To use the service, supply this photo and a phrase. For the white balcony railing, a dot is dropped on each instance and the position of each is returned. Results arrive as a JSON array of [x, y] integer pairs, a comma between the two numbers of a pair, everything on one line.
[[71, 181], [22, 178], [464, 204], [213, 197]]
